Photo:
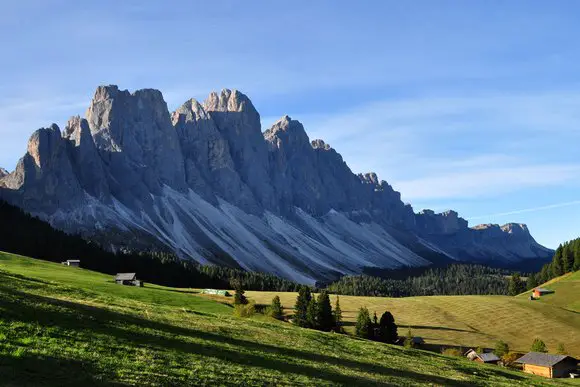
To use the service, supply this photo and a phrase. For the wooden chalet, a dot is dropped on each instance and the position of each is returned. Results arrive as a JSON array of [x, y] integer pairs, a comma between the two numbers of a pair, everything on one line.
[[128, 279], [539, 292], [484, 357], [549, 366], [72, 262]]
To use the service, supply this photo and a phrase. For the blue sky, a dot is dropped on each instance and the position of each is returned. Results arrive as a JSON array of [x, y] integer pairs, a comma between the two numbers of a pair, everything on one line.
[[470, 105]]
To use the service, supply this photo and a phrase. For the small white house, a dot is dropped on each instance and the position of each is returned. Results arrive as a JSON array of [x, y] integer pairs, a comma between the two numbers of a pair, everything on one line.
[[72, 262]]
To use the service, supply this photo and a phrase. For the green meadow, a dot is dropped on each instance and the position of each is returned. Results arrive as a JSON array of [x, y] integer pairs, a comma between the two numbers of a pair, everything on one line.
[[63, 326]]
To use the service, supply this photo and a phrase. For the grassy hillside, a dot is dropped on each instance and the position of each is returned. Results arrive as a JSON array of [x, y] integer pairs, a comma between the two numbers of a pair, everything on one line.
[[471, 321], [62, 326], [566, 292]]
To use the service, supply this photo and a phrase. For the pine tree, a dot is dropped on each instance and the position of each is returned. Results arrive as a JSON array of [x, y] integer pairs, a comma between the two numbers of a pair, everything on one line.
[[364, 324], [515, 285], [387, 332], [567, 258], [501, 348], [301, 307], [324, 318], [561, 350], [532, 281], [276, 310], [239, 297], [409, 343], [337, 315], [539, 346], [312, 314], [545, 274], [557, 265]]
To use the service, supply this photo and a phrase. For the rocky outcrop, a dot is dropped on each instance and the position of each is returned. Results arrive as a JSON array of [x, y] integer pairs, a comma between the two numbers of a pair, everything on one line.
[[137, 143], [86, 160], [3, 173], [205, 182], [209, 167], [44, 180], [239, 122], [445, 223]]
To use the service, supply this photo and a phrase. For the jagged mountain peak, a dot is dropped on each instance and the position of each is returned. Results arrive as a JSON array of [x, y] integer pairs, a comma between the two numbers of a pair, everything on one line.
[[487, 226], [289, 132], [191, 110], [320, 144], [516, 228], [104, 92], [43, 143], [76, 129], [229, 101], [370, 178], [3, 172], [205, 182]]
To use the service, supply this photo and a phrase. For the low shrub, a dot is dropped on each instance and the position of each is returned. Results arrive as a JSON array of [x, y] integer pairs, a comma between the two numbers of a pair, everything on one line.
[[452, 352], [509, 358], [247, 310]]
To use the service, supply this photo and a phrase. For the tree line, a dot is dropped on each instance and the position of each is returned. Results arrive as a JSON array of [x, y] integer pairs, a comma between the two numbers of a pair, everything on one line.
[[457, 279], [565, 260], [21, 233]]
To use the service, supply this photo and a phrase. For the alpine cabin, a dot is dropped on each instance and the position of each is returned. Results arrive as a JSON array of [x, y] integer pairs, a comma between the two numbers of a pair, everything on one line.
[[549, 366], [72, 262], [128, 279], [484, 357], [539, 292]]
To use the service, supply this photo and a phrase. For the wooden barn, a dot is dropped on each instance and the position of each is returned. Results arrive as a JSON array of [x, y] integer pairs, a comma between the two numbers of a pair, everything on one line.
[[129, 279], [539, 292], [484, 357], [549, 366], [72, 262]]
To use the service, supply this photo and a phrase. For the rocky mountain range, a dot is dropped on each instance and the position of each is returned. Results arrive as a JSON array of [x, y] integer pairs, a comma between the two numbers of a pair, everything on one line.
[[205, 182]]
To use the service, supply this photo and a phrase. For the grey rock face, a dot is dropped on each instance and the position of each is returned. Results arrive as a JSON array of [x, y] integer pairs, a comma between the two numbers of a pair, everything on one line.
[[444, 223], [209, 167], [239, 122], [85, 159], [294, 170], [136, 141], [3, 173], [206, 183], [44, 177]]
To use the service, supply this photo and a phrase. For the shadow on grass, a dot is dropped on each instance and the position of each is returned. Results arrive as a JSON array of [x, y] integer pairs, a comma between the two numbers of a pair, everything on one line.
[[436, 328], [102, 321], [30, 370]]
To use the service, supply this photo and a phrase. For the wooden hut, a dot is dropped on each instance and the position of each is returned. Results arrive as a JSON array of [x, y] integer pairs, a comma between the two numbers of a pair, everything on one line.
[[128, 279], [484, 357], [72, 262], [549, 366], [539, 292]]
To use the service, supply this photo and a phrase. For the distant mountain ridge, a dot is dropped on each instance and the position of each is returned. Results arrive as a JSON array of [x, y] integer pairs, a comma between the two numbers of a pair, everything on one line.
[[205, 182]]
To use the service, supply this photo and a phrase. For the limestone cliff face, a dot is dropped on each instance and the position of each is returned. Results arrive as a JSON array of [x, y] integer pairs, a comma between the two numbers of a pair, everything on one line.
[[205, 182], [137, 143], [444, 223], [239, 122], [44, 178]]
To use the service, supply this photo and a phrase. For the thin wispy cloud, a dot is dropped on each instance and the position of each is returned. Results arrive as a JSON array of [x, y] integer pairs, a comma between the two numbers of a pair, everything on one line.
[[459, 147], [526, 210], [423, 95]]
